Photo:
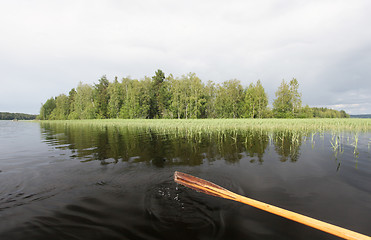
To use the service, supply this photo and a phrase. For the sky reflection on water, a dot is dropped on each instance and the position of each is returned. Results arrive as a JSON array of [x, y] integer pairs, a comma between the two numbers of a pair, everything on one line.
[[62, 181]]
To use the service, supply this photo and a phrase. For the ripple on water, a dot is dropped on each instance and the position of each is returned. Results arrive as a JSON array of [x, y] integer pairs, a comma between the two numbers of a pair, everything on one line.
[[19, 198], [173, 209]]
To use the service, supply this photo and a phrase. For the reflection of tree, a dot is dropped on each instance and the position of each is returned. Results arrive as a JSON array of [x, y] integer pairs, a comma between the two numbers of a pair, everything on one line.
[[255, 144], [287, 145], [113, 144], [229, 147]]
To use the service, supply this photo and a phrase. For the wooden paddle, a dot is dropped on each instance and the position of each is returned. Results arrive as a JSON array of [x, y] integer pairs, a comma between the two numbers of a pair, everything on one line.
[[209, 188]]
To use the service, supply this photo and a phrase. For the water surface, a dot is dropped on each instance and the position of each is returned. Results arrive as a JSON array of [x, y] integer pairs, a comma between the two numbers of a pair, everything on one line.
[[74, 182]]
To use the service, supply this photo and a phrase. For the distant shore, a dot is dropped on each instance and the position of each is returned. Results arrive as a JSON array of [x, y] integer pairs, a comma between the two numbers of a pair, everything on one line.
[[361, 116], [16, 116]]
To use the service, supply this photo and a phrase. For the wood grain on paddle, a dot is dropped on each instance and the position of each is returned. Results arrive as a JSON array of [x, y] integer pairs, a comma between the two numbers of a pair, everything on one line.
[[210, 188]]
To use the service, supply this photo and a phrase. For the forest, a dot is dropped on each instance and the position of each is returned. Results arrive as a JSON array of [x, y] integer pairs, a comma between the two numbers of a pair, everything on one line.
[[16, 116], [185, 97]]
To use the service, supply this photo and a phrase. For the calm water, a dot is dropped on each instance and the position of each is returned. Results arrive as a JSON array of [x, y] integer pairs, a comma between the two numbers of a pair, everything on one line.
[[61, 182]]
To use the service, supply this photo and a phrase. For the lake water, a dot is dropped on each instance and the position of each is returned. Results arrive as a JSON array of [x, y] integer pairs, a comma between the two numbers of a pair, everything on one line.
[[73, 182]]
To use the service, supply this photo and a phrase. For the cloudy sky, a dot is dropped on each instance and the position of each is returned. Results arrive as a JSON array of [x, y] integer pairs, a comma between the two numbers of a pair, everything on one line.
[[48, 46]]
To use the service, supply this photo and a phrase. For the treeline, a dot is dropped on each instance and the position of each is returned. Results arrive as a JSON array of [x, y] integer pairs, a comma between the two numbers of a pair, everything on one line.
[[178, 97], [329, 113], [361, 116], [17, 116]]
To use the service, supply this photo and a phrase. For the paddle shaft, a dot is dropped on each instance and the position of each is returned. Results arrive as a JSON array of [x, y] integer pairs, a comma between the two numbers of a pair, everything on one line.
[[207, 187], [314, 223]]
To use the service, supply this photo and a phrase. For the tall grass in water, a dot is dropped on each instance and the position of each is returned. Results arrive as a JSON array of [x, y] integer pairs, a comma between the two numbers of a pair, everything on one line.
[[200, 125]]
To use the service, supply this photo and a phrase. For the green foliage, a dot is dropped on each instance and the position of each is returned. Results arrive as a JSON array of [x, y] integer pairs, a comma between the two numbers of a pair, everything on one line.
[[185, 97], [256, 101], [210, 97], [83, 105], [176, 102], [62, 108], [196, 97], [116, 99], [288, 100], [305, 112], [101, 97], [196, 126], [47, 108], [282, 105], [295, 96], [343, 114], [328, 113], [136, 98], [17, 116], [188, 97], [229, 99], [158, 95]]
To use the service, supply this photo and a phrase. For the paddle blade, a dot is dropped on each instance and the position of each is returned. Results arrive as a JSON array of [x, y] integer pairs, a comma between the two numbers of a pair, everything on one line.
[[202, 185], [209, 188]]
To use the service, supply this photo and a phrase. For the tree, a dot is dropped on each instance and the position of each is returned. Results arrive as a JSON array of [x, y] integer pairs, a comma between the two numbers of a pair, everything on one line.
[[210, 96], [192, 96], [62, 108], [185, 93], [125, 108], [305, 112], [256, 101], [136, 98], [229, 99], [197, 96], [116, 95], [132, 101], [157, 95], [176, 92], [17, 116], [288, 99], [262, 99], [184, 97], [144, 96], [71, 98], [295, 96], [101, 97], [47, 108], [343, 114], [250, 101], [282, 105], [83, 105], [328, 113]]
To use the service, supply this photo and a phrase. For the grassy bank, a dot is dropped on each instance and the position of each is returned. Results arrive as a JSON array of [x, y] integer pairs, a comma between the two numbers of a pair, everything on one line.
[[306, 125]]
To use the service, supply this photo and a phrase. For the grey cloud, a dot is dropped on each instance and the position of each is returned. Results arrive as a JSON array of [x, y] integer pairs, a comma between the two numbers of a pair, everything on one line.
[[325, 45]]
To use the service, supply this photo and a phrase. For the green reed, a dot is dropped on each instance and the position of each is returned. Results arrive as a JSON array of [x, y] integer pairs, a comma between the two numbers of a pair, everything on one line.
[[202, 125], [355, 144]]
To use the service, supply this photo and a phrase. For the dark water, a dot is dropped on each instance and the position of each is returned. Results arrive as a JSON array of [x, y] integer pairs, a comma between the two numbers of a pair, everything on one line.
[[73, 182]]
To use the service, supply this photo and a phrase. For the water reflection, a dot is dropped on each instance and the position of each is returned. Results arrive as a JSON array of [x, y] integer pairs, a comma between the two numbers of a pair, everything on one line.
[[49, 191], [287, 145], [114, 144]]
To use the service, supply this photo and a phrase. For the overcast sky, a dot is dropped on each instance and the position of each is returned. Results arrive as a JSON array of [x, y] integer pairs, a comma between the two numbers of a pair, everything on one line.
[[47, 47]]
